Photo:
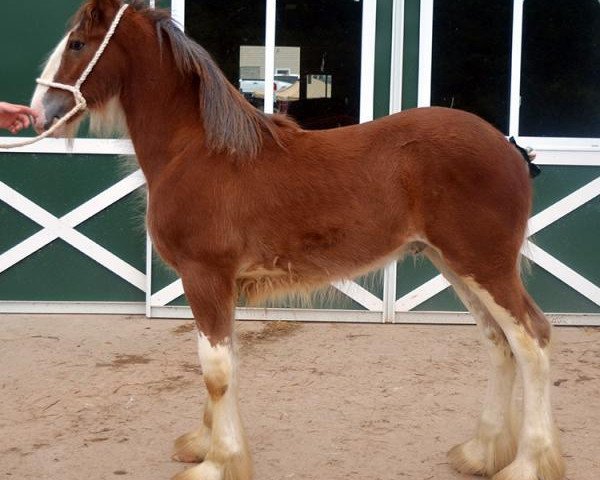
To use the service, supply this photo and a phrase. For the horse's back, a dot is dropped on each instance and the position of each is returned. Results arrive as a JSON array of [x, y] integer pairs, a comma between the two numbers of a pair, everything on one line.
[[470, 186]]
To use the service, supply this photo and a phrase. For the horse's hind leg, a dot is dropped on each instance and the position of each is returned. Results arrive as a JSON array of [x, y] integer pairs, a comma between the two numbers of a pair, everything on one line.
[[528, 333], [493, 445], [211, 295], [498, 287]]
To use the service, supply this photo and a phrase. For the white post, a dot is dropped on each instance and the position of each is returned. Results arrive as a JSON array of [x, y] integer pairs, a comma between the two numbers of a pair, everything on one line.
[[367, 68], [390, 272], [178, 12], [270, 54], [397, 57], [148, 276], [389, 292], [515, 70], [425, 52]]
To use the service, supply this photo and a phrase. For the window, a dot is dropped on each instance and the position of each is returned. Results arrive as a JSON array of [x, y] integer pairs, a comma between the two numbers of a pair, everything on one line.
[[560, 76], [471, 58], [318, 42], [233, 32], [328, 34], [530, 68]]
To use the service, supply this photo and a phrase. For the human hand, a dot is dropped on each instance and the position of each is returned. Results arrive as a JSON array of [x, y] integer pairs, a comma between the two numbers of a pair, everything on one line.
[[14, 118]]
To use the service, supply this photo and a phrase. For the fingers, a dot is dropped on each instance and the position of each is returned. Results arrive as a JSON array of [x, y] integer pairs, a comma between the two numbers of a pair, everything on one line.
[[23, 119], [26, 112], [16, 127], [13, 109], [16, 117]]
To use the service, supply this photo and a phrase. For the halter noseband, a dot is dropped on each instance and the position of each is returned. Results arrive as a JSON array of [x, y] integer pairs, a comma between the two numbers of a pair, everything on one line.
[[80, 102]]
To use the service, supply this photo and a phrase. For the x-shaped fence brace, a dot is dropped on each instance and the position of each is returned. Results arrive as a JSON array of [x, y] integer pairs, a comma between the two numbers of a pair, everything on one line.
[[64, 227]]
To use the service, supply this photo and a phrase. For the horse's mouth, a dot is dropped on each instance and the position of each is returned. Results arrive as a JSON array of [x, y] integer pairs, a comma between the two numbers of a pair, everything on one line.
[[44, 123]]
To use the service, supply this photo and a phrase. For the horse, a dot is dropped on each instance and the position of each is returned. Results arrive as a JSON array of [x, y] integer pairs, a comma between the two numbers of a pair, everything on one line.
[[241, 203]]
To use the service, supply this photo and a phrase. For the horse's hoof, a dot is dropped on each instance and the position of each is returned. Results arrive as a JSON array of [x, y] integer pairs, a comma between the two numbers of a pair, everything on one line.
[[550, 466], [192, 447], [204, 471], [483, 457]]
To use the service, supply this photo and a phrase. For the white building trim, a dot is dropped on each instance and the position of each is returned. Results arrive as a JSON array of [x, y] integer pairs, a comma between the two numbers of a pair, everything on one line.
[[367, 73], [425, 53]]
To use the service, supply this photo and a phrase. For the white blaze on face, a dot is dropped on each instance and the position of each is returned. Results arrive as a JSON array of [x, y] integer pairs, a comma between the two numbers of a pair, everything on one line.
[[48, 74]]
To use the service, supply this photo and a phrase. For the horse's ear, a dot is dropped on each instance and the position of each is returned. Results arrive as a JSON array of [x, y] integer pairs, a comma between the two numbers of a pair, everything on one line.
[[99, 11]]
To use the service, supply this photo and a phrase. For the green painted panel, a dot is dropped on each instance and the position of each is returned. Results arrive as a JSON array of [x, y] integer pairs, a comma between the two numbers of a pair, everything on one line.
[[410, 69], [413, 272], [556, 182], [15, 227], [26, 41], [30, 30], [552, 295], [383, 55], [575, 240], [59, 272], [162, 274], [121, 229], [60, 183], [445, 301]]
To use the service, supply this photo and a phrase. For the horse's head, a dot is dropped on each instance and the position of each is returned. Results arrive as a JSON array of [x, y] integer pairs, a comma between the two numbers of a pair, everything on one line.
[[71, 58]]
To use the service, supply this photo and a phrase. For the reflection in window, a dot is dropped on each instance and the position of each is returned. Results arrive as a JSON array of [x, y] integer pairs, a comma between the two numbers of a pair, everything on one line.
[[328, 36], [316, 40], [471, 58], [252, 71], [318, 86], [560, 82]]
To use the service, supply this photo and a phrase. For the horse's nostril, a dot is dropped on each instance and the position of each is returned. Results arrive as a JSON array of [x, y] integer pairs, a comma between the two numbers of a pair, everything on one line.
[[51, 122]]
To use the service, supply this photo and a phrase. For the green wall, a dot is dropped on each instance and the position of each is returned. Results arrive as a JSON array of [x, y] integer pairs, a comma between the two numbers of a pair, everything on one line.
[[59, 183]]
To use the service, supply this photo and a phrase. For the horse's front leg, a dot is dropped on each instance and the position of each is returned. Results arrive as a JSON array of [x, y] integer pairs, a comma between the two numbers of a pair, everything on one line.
[[221, 440]]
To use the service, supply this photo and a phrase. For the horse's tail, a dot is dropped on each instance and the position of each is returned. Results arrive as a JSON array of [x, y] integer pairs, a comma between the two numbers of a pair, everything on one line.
[[529, 155]]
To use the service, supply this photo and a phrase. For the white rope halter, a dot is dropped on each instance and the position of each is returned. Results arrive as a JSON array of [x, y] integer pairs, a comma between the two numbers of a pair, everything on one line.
[[80, 102]]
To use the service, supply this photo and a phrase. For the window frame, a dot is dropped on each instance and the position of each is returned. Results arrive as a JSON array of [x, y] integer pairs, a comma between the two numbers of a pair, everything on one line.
[[552, 150], [367, 74]]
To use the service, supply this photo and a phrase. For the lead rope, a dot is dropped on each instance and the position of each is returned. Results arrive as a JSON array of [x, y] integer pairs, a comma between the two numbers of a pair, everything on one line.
[[80, 102]]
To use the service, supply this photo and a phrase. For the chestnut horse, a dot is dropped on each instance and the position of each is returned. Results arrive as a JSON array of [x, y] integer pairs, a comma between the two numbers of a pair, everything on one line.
[[242, 203]]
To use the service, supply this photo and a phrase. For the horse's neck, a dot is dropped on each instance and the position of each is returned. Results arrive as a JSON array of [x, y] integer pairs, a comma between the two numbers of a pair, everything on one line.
[[162, 114]]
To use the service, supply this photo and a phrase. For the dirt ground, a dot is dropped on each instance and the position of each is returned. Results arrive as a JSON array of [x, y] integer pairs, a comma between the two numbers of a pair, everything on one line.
[[101, 397]]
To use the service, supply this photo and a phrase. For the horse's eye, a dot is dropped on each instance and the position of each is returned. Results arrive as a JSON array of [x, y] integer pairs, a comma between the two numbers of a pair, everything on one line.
[[76, 45]]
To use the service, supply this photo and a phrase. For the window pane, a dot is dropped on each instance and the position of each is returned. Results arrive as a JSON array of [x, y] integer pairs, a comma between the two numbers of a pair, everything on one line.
[[471, 57], [560, 82], [233, 32], [322, 39]]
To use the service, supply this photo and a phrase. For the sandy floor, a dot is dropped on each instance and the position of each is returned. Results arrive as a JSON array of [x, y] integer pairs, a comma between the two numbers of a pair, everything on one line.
[[103, 398]]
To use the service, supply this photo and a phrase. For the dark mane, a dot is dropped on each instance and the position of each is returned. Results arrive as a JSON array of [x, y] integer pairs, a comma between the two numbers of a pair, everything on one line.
[[231, 124]]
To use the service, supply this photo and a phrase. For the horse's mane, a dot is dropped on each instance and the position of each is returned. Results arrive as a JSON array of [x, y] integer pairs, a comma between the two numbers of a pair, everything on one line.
[[230, 123]]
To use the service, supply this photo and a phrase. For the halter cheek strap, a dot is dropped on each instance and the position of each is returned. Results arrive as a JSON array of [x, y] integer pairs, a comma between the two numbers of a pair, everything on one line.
[[80, 102]]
